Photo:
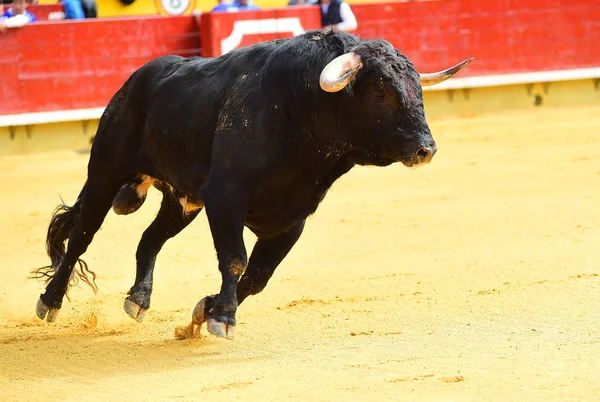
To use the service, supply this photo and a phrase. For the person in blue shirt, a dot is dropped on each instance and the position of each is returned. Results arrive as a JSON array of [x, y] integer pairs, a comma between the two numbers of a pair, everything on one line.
[[222, 6], [73, 9], [245, 5], [19, 7], [237, 5]]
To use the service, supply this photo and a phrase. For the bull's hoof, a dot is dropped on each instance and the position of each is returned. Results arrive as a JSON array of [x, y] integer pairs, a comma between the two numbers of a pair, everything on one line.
[[46, 313], [220, 329], [202, 309], [223, 327], [134, 310], [198, 316]]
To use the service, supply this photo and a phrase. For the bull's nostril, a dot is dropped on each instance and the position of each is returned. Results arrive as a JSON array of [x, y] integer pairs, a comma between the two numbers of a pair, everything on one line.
[[424, 153]]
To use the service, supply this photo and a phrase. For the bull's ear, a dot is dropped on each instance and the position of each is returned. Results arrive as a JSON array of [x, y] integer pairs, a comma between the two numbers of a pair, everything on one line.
[[339, 72]]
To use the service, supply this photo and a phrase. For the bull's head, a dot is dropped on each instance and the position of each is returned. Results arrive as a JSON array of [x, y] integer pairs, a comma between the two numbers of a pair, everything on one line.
[[388, 90]]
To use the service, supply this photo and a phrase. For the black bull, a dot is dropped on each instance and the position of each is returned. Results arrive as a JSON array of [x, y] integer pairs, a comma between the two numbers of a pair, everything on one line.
[[256, 137]]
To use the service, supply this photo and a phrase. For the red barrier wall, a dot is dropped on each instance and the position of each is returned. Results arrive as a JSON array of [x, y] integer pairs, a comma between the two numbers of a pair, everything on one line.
[[80, 64], [221, 32], [505, 36]]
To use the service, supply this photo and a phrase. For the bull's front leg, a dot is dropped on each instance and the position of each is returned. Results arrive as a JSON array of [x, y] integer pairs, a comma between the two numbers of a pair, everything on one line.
[[226, 209], [264, 259]]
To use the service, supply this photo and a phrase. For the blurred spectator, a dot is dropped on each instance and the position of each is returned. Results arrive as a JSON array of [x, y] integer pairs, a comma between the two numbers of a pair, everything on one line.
[[73, 9], [18, 9], [237, 5], [222, 6], [244, 5], [337, 14], [79, 9], [90, 9], [301, 2], [16, 21]]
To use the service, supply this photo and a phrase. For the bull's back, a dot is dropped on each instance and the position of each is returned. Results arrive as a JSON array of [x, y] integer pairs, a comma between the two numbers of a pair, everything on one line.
[[185, 101], [170, 109]]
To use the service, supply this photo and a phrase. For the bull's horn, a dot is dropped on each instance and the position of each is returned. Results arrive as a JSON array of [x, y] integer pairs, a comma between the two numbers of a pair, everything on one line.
[[436, 78], [339, 72]]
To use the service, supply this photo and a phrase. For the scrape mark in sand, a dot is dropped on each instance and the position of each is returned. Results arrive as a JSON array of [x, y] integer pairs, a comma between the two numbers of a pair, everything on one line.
[[427, 376], [583, 276], [386, 276], [406, 379], [231, 385], [458, 378], [35, 333], [361, 333], [305, 301], [349, 300], [400, 379], [511, 285], [371, 332]]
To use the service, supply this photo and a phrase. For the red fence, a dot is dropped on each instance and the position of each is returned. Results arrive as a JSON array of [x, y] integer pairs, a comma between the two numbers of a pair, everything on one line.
[[80, 64], [505, 36], [50, 66]]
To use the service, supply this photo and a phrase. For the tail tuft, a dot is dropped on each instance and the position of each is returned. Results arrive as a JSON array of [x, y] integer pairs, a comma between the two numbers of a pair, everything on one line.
[[62, 222]]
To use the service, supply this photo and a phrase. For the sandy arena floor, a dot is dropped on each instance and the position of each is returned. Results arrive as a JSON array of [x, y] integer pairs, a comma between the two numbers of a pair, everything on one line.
[[474, 278]]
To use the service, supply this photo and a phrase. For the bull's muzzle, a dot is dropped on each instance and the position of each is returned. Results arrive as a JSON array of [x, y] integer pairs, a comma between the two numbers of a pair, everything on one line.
[[425, 154]]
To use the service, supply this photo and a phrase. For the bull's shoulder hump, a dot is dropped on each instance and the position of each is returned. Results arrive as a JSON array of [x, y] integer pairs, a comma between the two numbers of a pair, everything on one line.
[[174, 62]]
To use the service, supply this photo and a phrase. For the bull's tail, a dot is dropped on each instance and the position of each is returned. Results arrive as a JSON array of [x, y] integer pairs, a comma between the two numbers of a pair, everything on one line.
[[63, 220]]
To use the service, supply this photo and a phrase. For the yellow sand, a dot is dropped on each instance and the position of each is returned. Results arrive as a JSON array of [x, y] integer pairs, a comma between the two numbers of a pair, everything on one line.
[[473, 278]]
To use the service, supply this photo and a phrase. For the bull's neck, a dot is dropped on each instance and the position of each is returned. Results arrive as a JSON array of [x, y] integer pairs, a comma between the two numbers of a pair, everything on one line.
[[331, 160], [330, 170]]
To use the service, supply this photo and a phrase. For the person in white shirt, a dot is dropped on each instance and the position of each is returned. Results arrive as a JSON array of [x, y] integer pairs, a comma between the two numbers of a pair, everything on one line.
[[337, 14], [12, 21]]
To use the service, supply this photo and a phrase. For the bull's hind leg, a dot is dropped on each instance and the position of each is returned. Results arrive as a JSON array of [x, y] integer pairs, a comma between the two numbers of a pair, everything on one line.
[[81, 222], [171, 219]]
